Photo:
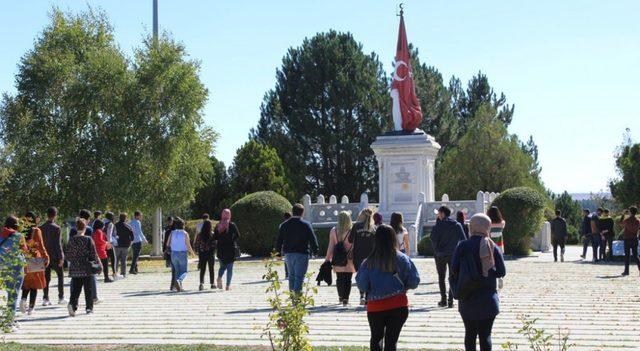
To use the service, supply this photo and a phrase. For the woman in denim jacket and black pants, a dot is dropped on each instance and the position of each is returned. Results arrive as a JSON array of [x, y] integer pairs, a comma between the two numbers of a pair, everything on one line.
[[385, 276]]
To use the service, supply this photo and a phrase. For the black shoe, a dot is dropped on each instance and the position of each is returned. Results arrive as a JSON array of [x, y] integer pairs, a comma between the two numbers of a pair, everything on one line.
[[442, 303], [450, 305], [108, 280], [625, 273]]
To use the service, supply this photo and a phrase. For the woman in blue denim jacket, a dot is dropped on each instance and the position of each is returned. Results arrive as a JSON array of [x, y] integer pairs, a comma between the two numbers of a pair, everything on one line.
[[385, 276]]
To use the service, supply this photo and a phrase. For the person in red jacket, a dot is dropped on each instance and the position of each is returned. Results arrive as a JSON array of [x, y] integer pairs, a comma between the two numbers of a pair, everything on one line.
[[100, 239], [630, 225]]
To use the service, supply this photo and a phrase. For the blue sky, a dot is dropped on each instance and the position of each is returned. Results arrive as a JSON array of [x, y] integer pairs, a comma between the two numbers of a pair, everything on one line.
[[570, 67]]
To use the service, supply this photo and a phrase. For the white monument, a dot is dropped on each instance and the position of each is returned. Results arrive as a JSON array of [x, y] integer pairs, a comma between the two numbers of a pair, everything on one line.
[[406, 164]]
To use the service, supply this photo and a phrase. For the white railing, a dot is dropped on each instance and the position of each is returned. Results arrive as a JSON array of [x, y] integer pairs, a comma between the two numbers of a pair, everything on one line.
[[322, 213], [415, 230]]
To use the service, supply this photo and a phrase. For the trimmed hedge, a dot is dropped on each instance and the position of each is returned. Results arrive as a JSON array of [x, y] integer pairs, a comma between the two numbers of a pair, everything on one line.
[[258, 217], [523, 212], [323, 240], [425, 247]]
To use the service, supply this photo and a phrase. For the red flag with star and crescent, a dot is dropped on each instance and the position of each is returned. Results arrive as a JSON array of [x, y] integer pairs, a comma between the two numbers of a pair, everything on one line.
[[403, 90]]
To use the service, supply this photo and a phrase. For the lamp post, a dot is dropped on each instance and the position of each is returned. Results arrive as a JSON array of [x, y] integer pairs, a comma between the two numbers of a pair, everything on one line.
[[156, 227]]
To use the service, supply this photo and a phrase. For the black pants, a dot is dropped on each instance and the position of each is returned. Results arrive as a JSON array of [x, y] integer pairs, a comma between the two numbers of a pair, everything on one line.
[[105, 267], [343, 284], [607, 242], [77, 284], [111, 255], [442, 262], [32, 293], [595, 244], [630, 248], [386, 326], [135, 254], [53, 265], [557, 242], [207, 259], [478, 328]]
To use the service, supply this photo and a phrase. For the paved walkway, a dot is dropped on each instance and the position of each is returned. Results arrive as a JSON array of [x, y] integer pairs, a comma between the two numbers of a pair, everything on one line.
[[601, 309]]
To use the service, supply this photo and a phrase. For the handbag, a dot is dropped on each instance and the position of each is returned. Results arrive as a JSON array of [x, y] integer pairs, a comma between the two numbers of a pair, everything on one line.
[[36, 264], [95, 266]]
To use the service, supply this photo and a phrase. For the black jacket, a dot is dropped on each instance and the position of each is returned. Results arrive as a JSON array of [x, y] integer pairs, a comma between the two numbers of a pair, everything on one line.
[[227, 243], [124, 233], [586, 226], [445, 236], [52, 241], [363, 241], [559, 228], [296, 236]]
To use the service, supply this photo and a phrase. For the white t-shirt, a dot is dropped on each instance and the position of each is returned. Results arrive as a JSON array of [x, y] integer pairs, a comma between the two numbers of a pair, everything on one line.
[[400, 238]]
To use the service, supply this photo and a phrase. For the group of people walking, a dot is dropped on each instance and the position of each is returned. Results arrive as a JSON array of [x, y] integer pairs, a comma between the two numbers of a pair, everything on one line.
[[379, 256], [30, 256], [210, 241]]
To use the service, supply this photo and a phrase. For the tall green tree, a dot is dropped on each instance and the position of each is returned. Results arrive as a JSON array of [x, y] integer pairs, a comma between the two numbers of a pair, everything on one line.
[[486, 158], [479, 92], [330, 102], [626, 189], [257, 167], [88, 129], [215, 194], [439, 119], [570, 208]]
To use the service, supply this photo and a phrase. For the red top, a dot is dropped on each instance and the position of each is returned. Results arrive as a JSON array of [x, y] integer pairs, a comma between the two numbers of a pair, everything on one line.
[[101, 243], [387, 304]]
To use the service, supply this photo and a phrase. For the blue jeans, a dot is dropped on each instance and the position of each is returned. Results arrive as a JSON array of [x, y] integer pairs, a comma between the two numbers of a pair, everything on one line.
[[297, 265], [180, 262], [14, 285], [226, 267]]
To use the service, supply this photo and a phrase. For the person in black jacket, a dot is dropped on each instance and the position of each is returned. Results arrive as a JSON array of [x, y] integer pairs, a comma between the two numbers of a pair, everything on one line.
[[296, 240], [585, 231], [608, 233], [167, 252], [226, 235], [124, 234], [445, 236], [53, 244], [558, 235], [362, 236]]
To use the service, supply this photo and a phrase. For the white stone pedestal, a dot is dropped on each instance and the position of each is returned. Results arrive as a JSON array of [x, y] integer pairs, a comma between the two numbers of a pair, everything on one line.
[[406, 165]]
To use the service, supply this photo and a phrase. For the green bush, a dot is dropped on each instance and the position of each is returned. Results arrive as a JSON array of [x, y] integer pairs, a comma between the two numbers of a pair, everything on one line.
[[424, 246], [574, 235], [523, 212], [323, 240], [258, 217]]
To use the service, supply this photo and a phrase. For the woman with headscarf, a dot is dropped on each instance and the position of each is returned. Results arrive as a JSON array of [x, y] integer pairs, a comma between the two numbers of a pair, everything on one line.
[[12, 249], [362, 236], [340, 248], [205, 246], [33, 280], [480, 308], [226, 235]]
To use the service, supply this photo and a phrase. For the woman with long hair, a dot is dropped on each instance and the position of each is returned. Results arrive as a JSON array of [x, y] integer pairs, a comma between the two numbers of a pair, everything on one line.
[[497, 227], [480, 308], [461, 218], [180, 247], [362, 237], [205, 245], [81, 254], [167, 252], [226, 234], [402, 234], [33, 281], [386, 276], [340, 248]]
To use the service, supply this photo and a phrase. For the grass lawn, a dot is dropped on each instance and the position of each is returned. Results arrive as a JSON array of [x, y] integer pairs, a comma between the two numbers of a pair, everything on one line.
[[21, 347]]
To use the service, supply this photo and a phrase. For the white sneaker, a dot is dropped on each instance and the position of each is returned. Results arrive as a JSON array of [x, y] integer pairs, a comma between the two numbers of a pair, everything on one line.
[[46, 302], [62, 302], [30, 311], [72, 313], [23, 305], [97, 301]]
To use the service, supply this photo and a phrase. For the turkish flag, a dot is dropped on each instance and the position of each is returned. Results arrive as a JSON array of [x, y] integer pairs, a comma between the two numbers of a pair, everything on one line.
[[407, 113]]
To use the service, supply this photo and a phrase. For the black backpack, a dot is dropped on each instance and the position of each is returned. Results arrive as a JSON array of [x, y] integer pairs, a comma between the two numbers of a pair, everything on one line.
[[467, 281], [340, 254]]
